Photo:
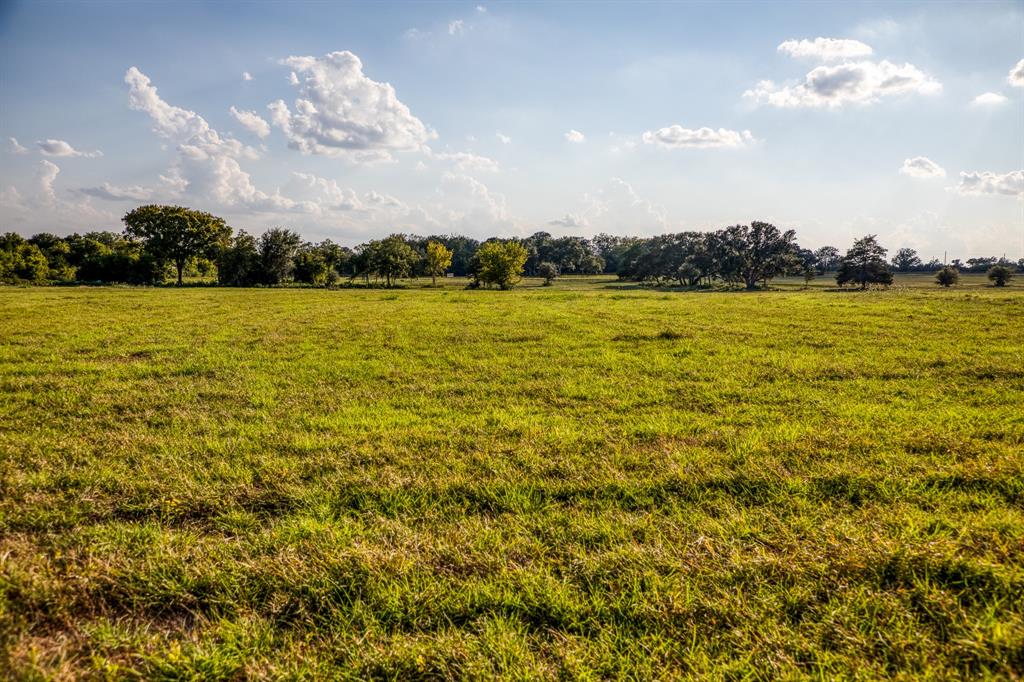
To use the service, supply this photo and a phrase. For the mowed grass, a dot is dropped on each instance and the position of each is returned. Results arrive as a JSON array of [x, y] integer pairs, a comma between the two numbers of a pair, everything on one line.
[[584, 481]]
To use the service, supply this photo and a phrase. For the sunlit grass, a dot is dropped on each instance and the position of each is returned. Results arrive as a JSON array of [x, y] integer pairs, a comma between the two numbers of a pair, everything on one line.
[[587, 480]]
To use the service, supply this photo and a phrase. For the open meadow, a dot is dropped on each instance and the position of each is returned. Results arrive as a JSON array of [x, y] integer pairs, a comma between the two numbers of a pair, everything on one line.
[[585, 481]]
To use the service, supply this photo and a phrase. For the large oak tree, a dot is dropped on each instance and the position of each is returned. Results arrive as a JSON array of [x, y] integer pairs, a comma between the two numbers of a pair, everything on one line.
[[176, 233]]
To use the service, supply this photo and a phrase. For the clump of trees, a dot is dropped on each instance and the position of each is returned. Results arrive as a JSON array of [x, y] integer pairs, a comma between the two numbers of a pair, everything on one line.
[[162, 242]]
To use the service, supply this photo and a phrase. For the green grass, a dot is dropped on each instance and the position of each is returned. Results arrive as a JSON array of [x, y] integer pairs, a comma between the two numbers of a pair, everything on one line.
[[592, 480]]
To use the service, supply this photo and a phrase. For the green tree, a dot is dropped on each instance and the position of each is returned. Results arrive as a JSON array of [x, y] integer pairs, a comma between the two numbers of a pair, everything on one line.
[[392, 258], [238, 264], [277, 249], [1000, 275], [549, 271], [947, 276], [864, 264], [21, 261], [906, 260], [500, 263], [759, 252], [175, 233], [826, 258], [310, 266], [439, 259]]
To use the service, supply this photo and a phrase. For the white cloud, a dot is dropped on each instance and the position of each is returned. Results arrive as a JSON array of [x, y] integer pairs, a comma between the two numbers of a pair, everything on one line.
[[14, 147], [986, 182], [252, 122], [570, 221], [481, 9], [470, 207], [574, 136], [207, 165], [110, 192], [341, 112], [825, 49], [678, 137], [1016, 75], [504, 139], [922, 167], [45, 178], [457, 27], [847, 83], [989, 99], [466, 161], [246, 76], [61, 148]]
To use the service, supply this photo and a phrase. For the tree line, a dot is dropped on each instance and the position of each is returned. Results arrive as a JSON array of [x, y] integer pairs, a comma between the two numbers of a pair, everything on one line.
[[161, 243]]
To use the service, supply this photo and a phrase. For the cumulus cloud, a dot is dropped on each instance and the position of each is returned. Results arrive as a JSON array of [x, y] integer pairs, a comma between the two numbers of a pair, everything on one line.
[[466, 161], [617, 208], [111, 192], [1016, 75], [922, 167], [986, 182], [848, 83], [481, 9], [246, 76], [825, 49], [207, 165], [574, 136], [46, 176], [61, 148], [341, 112], [469, 206], [678, 137], [570, 221], [252, 122], [14, 147], [457, 27], [504, 139], [989, 99]]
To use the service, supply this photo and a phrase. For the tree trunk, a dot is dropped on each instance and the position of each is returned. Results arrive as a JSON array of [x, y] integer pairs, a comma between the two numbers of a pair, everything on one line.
[[180, 266], [433, 276]]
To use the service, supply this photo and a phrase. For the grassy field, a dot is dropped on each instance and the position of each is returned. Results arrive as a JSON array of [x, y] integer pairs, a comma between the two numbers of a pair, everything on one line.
[[592, 480]]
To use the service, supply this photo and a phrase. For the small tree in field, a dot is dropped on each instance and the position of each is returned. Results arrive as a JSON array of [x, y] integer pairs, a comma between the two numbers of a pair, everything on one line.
[[864, 264], [500, 263], [439, 259], [548, 271], [906, 260], [947, 276], [175, 233], [1000, 275]]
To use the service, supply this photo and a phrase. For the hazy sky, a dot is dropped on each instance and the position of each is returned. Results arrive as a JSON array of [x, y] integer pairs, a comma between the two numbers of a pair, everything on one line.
[[352, 121]]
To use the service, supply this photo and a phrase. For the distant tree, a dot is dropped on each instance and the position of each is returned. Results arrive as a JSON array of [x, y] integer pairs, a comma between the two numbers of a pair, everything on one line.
[[906, 260], [826, 259], [758, 253], [438, 260], [175, 233], [56, 251], [549, 271], [238, 264], [864, 264], [277, 249], [947, 276], [500, 263], [1000, 275], [807, 266], [392, 258], [310, 265], [21, 261]]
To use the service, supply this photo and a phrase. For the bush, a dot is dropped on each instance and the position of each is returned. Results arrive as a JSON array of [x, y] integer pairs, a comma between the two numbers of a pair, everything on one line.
[[1000, 275], [947, 276], [549, 271]]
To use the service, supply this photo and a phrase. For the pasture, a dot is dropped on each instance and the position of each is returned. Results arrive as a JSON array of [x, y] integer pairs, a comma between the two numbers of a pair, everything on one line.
[[590, 480]]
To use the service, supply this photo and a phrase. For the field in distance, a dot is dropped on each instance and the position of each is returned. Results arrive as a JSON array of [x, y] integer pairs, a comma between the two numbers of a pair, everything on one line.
[[589, 480]]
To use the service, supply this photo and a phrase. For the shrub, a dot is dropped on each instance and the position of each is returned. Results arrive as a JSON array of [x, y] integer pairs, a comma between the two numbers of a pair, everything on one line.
[[549, 271], [947, 276], [1000, 275], [500, 263]]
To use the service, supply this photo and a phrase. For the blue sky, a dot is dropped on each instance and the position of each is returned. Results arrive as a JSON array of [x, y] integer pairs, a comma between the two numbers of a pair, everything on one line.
[[351, 121]]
